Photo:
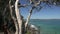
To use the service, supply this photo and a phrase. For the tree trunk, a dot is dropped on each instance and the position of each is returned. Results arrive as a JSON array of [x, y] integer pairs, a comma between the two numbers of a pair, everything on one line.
[[19, 20], [13, 17], [28, 18]]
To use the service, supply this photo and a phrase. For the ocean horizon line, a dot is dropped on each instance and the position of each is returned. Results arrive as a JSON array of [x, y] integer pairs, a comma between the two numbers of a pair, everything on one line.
[[50, 19]]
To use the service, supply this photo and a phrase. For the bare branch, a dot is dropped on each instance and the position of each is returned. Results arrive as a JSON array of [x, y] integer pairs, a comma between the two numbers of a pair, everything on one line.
[[28, 18], [23, 5]]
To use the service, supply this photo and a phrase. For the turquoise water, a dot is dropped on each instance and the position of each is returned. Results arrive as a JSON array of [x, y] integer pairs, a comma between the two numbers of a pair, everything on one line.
[[47, 26]]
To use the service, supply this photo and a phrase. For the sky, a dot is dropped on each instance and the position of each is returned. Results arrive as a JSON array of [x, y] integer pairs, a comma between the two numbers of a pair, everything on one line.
[[52, 12]]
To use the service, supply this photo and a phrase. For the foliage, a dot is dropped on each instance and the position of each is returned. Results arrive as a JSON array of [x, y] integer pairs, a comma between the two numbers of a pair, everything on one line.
[[5, 13]]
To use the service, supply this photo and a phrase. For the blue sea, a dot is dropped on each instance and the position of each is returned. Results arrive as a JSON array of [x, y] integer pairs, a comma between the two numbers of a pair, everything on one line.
[[47, 26]]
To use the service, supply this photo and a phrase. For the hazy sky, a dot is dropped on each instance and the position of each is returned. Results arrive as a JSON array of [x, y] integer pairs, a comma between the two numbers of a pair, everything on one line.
[[45, 13]]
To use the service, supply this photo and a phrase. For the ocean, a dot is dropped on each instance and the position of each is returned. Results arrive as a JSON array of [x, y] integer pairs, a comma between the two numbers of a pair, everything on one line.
[[47, 26]]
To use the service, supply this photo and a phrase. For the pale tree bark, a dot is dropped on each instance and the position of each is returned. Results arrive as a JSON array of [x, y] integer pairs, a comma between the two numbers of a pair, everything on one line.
[[36, 3], [18, 15], [28, 18], [13, 17], [30, 13]]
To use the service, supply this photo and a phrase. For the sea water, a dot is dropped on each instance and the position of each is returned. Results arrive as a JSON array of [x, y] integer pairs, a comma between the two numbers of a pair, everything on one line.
[[47, 26]]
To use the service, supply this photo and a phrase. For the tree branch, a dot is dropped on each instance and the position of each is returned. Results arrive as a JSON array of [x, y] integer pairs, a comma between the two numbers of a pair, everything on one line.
[[28, 18]]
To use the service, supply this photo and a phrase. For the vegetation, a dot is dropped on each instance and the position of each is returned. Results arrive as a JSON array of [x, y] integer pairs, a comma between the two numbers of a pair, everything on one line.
[[10, 16]]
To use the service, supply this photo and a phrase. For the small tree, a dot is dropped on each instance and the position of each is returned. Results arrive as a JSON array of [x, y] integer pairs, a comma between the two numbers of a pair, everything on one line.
[[37, 3]]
